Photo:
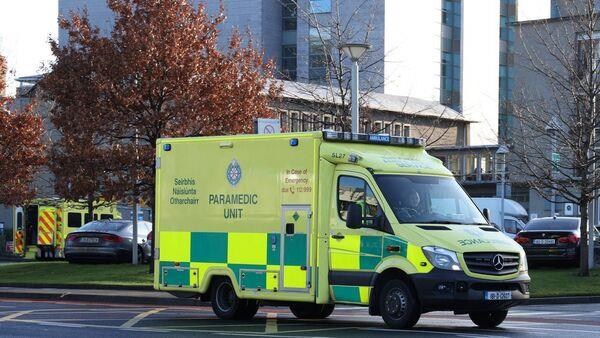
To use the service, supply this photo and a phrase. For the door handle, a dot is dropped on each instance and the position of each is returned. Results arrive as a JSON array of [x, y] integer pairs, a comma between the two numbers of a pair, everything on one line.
[[338, 236], [393, 248]]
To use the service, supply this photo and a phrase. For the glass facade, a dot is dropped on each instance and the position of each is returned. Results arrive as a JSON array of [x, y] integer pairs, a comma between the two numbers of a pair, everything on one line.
[[508, 12], [289, 48], [318, 54], [450, 72], [289, 62], [320, 6]]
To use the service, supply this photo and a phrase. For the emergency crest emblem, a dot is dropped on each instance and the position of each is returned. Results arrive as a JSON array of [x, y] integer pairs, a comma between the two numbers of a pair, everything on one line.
[[234, 172]]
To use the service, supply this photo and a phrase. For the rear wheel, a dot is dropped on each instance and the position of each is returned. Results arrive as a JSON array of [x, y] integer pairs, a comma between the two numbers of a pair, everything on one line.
[[227, 305], [399, 305], [311, 310], [488, 319]]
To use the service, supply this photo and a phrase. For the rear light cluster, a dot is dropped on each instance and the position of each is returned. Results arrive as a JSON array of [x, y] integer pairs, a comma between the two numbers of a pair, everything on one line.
[[72, 237], [112, 238], [521, 240], [569, 239]]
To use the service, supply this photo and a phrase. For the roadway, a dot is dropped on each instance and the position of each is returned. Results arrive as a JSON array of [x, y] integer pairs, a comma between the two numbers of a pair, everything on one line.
[[29, 318]]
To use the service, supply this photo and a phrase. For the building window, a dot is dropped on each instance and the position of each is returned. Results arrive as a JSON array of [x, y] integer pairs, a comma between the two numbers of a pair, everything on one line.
[[288, 62], [289, 9], [327, 122], [284, 120], [337, 125], [387, 126], [588, 51], [397, 129], [307, 122], [320, 6], [450, 47], [377, 127], [295, 117], [318, 50], [406, 130], [367, 127]]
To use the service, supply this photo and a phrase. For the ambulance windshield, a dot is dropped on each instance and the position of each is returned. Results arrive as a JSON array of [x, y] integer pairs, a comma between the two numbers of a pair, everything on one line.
[[429, 200]]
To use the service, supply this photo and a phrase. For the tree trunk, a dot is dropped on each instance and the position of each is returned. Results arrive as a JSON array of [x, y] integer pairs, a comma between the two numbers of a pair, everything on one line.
[[584, 269], [90, 206]]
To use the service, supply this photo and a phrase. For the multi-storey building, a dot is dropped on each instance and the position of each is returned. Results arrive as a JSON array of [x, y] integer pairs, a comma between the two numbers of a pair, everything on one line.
[[456, 52]]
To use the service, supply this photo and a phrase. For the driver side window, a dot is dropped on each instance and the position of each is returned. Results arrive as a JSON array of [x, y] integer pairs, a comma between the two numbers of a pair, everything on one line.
[[355, 190]]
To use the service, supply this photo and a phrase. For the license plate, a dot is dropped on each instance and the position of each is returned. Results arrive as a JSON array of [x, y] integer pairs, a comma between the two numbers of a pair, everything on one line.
[[544, 241], [498, 295], [89, 240]]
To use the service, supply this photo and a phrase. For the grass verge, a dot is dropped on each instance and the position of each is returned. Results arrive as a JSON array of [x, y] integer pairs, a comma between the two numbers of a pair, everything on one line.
[[46, 273], [553, 282], [546, 282]]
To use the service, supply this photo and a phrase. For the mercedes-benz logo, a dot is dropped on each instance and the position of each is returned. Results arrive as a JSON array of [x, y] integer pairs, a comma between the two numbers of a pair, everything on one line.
[[498, 262]]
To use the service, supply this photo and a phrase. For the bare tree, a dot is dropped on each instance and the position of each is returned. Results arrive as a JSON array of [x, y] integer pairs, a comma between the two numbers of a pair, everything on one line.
[[555, 109], [330, 68]]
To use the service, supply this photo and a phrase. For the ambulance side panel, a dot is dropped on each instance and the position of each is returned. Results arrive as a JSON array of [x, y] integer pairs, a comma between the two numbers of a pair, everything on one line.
[[240, 207]]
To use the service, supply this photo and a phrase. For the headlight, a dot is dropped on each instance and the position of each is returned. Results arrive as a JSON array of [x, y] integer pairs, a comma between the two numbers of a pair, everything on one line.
[[523, 267], [442, 258]]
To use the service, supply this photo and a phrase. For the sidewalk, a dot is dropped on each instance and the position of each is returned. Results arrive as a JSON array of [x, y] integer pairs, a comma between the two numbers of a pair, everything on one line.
[[97, 296], [151, 297]]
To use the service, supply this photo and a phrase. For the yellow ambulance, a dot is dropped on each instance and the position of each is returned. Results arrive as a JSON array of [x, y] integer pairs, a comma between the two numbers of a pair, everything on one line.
[[310, 220], [41, 228]]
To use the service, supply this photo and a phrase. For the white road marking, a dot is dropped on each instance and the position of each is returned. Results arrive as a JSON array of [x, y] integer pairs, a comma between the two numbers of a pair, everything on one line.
[[139, 317], [460, 334], [14, 315], [45, 323], [271, 325], [527, 326], [510, 314], [252, 334], [339, 328]]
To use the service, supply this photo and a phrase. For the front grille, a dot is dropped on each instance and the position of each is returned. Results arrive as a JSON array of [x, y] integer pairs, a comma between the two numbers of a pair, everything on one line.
[[488, 264]]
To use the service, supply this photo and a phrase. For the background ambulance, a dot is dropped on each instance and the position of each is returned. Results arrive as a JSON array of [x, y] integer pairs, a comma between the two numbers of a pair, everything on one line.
[[315, 219], [41, 228]]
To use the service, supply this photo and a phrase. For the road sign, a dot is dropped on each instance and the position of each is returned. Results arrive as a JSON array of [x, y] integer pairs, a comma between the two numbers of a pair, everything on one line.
[[569, 209], [267, 126], [555, 157]]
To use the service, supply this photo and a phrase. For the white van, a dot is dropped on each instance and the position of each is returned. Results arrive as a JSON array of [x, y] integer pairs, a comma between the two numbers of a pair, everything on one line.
[[515, 216]]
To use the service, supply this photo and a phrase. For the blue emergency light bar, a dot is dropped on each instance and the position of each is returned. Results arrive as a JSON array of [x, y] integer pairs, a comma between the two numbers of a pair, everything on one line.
[[337, 136]]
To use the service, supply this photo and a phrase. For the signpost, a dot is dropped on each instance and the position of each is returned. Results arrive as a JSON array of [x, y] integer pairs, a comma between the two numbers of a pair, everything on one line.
[[267, 126]]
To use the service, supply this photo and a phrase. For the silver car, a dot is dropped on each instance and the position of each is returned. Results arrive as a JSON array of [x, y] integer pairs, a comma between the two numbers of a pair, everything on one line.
[[106, 240]]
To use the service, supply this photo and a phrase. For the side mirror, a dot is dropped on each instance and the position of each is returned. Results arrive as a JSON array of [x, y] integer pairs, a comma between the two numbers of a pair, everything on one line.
[[354, 217], [486, 214]]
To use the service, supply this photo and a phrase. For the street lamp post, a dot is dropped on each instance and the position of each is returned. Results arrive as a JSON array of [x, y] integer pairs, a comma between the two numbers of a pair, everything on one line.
[[551, 129], [502, 151], [355, 51]]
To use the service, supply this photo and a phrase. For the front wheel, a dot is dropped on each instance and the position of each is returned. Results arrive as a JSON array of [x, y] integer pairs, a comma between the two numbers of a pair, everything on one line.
[[488, 319], [399, 305], [227, 305], [311, 310]]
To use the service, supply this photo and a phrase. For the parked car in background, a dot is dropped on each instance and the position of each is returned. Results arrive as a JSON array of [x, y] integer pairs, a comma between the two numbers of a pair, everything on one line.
[[551, 239], [147, 246], [106, 240], [515, 216]]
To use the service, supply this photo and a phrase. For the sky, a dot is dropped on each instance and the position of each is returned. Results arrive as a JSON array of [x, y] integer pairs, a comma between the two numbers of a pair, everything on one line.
[[25, 27]]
